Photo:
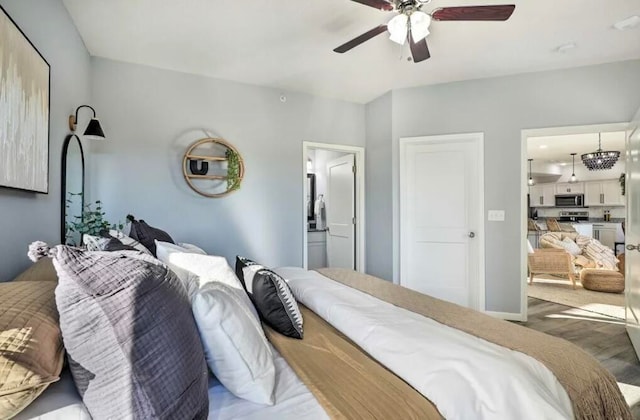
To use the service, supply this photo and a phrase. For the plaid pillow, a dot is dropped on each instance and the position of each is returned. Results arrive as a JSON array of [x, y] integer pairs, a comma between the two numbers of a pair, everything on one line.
[[132, 342]]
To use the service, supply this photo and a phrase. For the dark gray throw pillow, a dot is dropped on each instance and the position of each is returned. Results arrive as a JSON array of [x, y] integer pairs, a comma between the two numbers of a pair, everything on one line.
[[132, 342], [276, 304], [147, 235]]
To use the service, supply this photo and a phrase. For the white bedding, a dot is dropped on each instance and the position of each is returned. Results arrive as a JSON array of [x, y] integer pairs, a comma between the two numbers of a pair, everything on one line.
[[464, 376], [294, 401]]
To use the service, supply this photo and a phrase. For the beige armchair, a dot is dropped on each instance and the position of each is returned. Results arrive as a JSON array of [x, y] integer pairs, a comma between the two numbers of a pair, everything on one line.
[[552, 261]]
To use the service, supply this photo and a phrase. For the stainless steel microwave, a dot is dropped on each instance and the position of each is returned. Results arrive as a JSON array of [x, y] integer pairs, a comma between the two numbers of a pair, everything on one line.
[[570, 200]]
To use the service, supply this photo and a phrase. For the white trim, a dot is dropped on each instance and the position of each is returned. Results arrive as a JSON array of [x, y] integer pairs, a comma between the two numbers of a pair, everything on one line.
[[507, 316], [359, 153], [539, 132], [478, 140]]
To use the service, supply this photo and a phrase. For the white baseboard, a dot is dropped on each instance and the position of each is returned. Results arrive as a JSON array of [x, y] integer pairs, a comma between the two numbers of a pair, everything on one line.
[[507, 316]]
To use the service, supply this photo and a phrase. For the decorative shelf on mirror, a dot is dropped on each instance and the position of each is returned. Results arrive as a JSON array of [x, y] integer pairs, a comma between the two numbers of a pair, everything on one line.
[[212, 167]]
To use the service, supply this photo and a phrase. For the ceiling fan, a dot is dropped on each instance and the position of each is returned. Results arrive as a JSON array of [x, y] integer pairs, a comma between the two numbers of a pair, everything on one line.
[[412, 24]]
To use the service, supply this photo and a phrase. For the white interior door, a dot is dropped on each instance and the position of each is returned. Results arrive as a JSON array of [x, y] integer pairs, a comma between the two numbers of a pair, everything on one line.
[[441, 216], [632, 234], [341, 212]]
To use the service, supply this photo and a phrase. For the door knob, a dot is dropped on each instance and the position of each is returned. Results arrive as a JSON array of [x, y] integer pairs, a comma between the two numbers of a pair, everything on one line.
[[472, 234], [633, 247]]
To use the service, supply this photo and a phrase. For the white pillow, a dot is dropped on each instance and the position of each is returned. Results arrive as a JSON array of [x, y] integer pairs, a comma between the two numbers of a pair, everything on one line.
[[191, 247], [195, 270], [96, 243], [93, 243], [235, 346], [163, 249], [571, 247]]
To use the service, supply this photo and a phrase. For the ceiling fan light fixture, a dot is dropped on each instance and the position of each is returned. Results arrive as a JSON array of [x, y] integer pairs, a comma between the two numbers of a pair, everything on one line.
[[398, 27], [420, 22]]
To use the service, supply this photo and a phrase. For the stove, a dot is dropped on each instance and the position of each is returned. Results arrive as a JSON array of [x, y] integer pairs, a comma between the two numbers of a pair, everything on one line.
[[573, 216]]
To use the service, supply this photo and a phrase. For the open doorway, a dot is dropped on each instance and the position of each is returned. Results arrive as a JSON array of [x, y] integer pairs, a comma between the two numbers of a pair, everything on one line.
[[333, 196], [573, 212]]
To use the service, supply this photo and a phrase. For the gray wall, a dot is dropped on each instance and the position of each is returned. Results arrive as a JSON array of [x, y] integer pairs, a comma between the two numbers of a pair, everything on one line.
[[24, 216], [501, 108], [379, 212], [150, 116]]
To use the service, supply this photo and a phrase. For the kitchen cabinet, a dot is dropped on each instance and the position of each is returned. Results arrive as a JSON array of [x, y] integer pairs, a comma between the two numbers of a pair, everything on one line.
[[543, 195], [612, 193], [603, 193], [593, 194], [606, 233], [534, 238], [316, 249], [569, 188]]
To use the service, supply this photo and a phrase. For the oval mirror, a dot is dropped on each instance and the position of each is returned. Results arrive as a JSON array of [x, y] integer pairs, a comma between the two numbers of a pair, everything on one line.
[[72, 190]]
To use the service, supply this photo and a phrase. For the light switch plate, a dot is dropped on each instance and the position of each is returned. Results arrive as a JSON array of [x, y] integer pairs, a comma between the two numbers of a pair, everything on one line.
[[496, 215]]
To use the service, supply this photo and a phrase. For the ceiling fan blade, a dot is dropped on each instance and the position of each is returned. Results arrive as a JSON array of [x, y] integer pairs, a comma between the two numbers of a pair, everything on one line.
[[499, 12], [378, 4], [419, 50], [362, 38]]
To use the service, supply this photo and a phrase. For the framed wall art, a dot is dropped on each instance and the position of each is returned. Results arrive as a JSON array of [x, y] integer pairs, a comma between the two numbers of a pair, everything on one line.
[[24, 111]]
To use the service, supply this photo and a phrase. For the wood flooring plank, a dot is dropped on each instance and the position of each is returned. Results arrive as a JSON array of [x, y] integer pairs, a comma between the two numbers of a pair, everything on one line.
[[605, 338]]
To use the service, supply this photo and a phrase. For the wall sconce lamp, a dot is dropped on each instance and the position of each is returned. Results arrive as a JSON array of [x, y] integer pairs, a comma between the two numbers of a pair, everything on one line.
[[93, 130]]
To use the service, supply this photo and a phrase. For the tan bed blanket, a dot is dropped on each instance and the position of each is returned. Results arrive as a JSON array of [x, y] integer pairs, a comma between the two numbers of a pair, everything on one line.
[[593, 391], [42, 270], [345, 380]]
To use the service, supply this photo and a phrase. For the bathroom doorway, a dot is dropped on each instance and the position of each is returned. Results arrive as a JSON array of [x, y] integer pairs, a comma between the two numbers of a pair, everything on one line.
[[333, 233]]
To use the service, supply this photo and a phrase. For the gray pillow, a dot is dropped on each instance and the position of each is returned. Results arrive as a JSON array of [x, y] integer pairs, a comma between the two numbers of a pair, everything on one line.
[[147, 235], [132, 342]]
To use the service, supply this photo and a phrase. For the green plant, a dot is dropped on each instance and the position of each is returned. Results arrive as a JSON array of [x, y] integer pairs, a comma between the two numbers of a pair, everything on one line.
[[90, 222], [622, 180], [233, 170]]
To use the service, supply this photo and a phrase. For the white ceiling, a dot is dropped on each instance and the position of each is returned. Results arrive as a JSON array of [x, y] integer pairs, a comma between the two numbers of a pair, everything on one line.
[[288, 44], [558, 149]]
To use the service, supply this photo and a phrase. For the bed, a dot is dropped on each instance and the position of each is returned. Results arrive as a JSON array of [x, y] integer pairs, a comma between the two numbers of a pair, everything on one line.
[[376, 350], [61, 401]]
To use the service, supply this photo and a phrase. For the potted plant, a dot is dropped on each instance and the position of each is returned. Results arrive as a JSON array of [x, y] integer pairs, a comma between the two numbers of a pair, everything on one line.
[[233, 170], [90, 222]]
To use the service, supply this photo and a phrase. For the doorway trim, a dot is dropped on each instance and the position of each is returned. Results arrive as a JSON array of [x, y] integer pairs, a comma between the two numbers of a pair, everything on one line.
[[359, 154], [477, 139], [539, 132]]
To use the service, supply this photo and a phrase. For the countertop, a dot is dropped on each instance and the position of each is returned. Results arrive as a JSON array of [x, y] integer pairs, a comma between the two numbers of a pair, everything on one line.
[[591, 220], [317, 230]]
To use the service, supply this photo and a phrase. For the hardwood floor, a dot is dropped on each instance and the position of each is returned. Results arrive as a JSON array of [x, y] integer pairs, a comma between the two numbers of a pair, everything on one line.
[[603, 337]]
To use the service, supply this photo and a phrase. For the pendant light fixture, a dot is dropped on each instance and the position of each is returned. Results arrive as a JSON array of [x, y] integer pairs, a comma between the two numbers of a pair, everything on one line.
[[573, 173], [530, 182], [600, 160]]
